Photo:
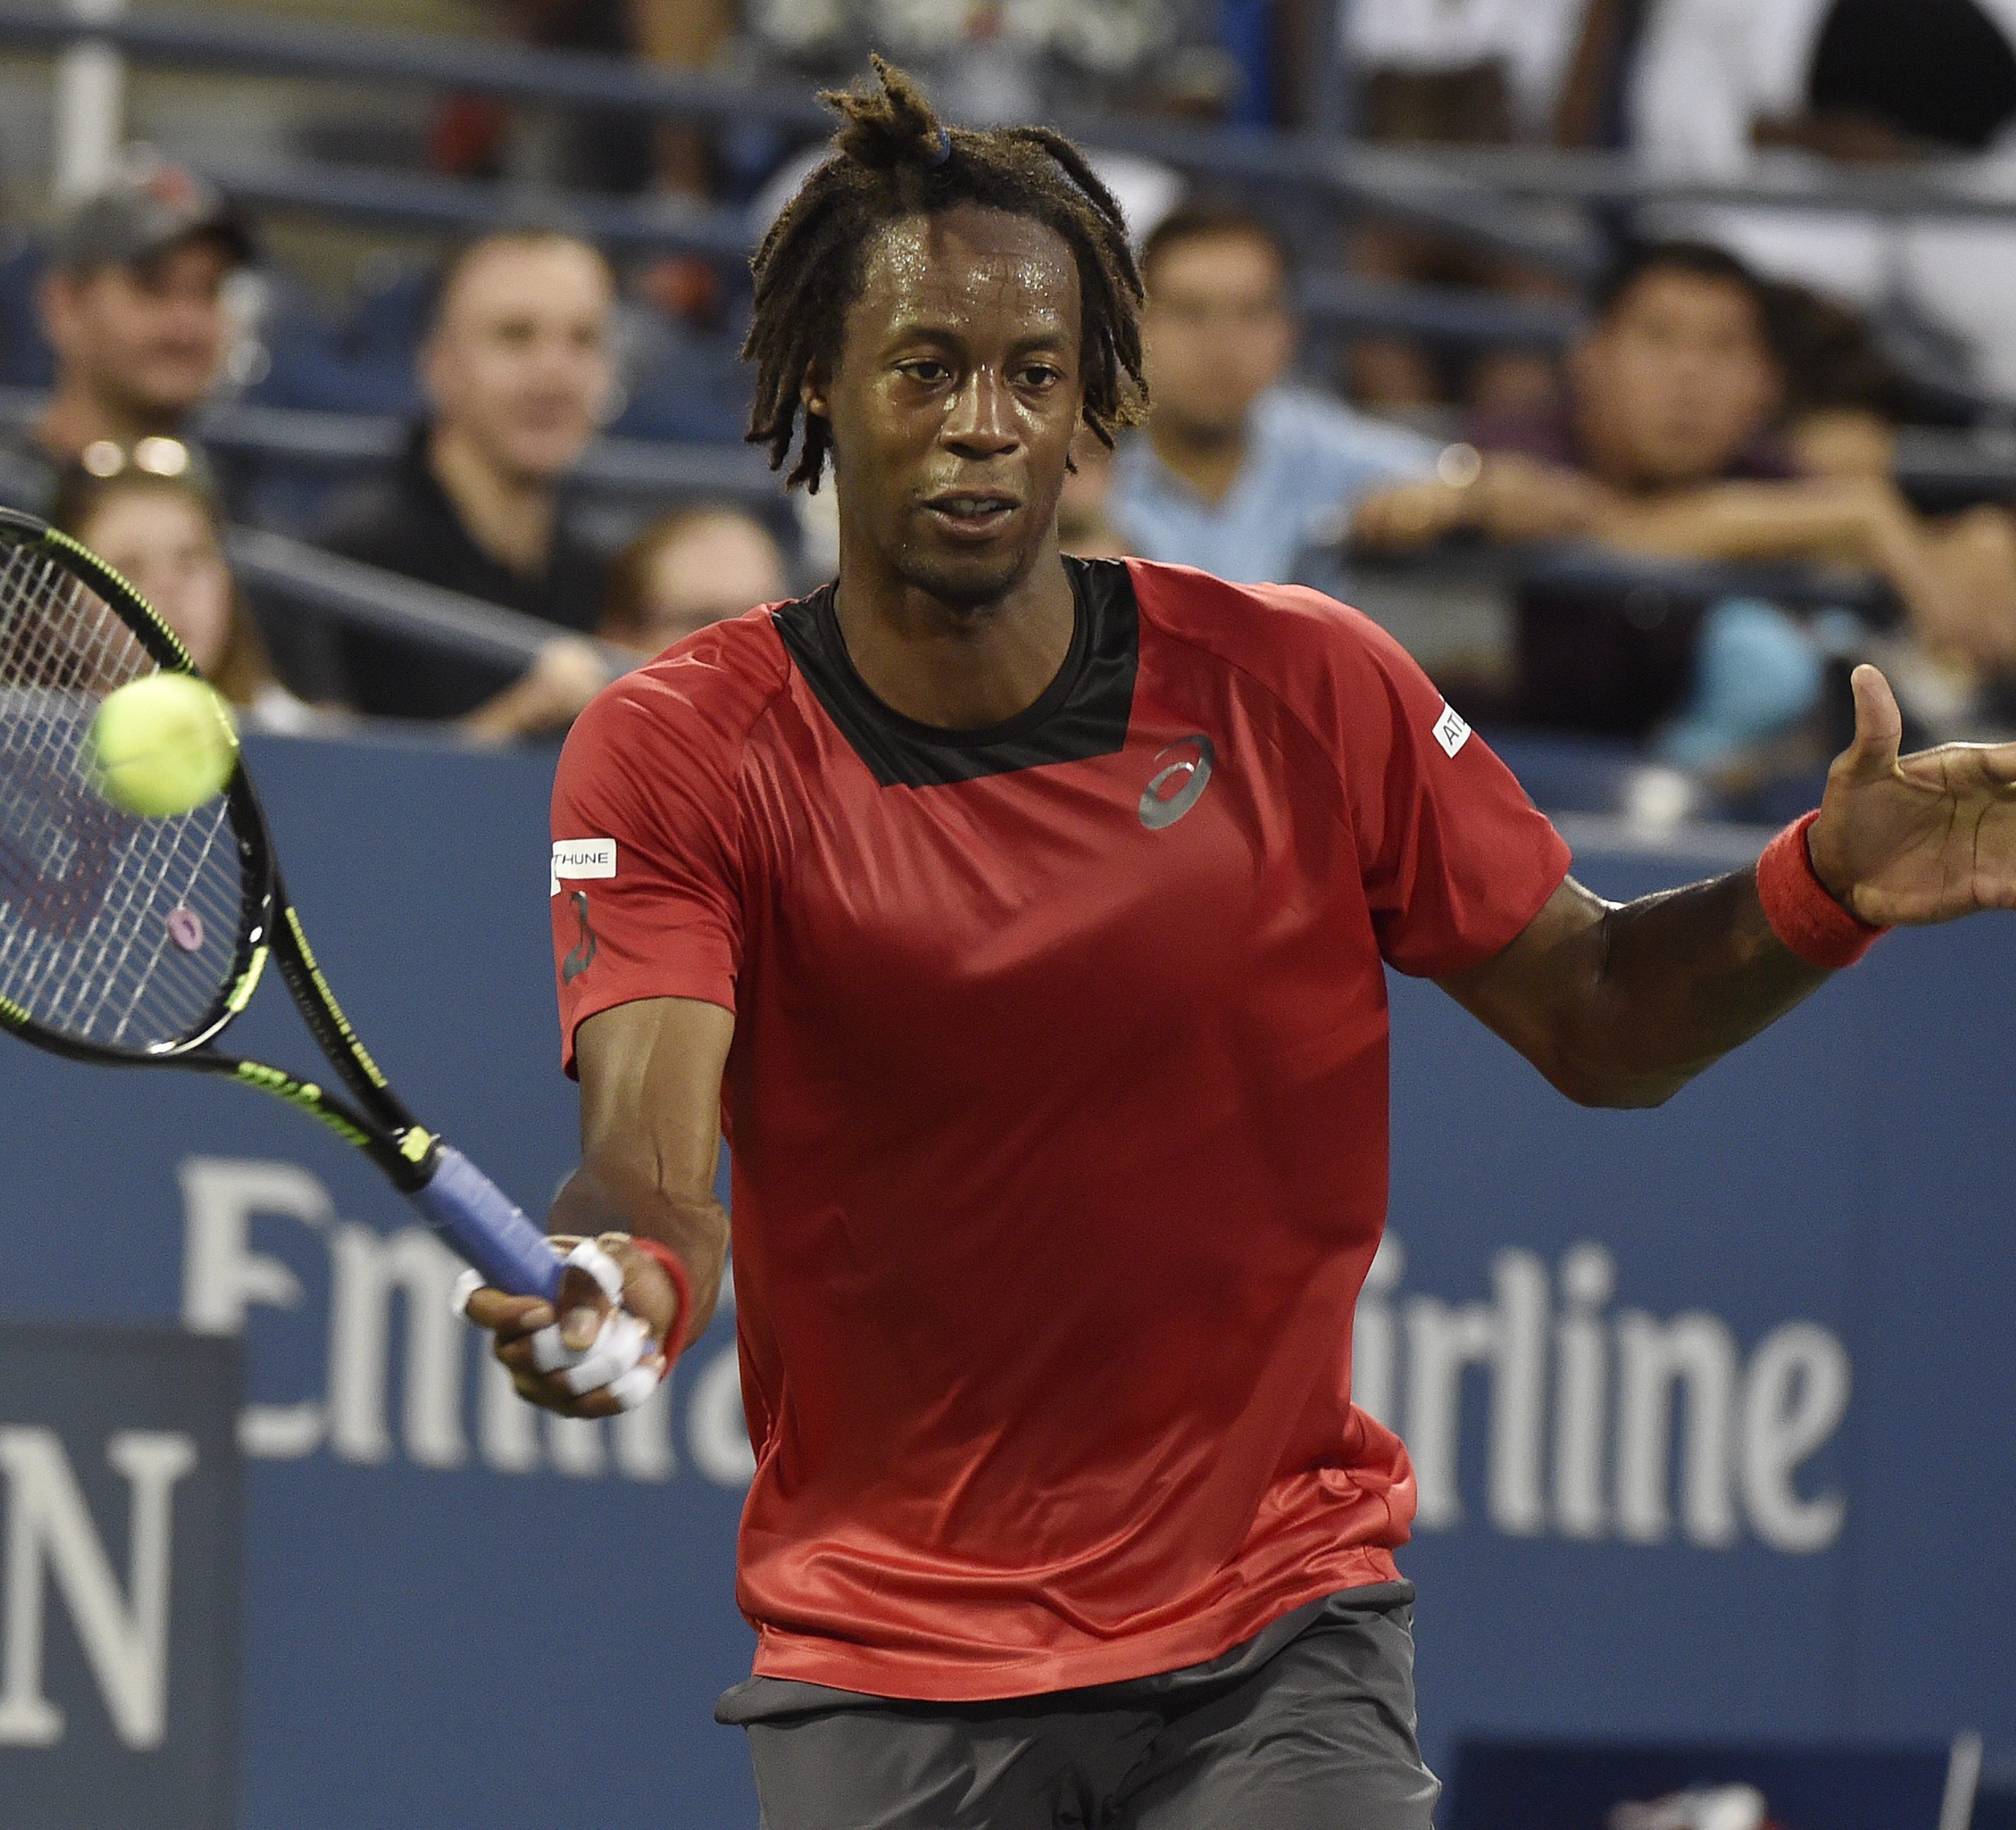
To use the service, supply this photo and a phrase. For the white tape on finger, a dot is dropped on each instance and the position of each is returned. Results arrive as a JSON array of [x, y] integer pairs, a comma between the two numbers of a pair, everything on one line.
[[550, 1353], [589, 1257], [466, 1286], [623, 1341], [636, 1384]]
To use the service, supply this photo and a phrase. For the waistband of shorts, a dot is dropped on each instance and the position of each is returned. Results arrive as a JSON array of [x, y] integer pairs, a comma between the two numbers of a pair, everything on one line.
[[773, 1700]]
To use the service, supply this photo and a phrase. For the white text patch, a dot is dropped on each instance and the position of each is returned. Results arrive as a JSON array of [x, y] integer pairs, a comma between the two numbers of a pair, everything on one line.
[[576, 858], [1451, 731]]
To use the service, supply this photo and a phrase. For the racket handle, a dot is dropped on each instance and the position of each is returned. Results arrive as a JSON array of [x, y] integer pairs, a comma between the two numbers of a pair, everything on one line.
[[483, 1224]]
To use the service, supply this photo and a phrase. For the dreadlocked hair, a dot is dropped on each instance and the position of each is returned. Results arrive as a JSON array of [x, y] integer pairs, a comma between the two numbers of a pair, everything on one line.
[[892, 158]]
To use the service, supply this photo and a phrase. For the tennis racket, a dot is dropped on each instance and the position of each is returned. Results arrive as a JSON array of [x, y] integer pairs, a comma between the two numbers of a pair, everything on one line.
[[135, 942]]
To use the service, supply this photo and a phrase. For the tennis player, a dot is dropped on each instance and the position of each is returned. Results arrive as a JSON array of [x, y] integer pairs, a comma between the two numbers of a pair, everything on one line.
[[1024, 919]]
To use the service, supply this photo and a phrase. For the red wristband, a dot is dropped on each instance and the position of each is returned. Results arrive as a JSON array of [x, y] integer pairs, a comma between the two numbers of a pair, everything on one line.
[[1802, 911], [675, 1269]]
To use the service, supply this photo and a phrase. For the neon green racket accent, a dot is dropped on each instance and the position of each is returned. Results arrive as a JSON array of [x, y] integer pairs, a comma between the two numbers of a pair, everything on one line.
[[56, 537], [248, 982], [357, 1049], [304, 1095], [415, 1144]]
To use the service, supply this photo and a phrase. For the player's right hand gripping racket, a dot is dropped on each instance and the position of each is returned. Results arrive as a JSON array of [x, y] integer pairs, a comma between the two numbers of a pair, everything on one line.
[[136, 941]]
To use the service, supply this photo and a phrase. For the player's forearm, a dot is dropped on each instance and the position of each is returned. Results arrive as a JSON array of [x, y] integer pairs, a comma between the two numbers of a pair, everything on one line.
[[1673, 982], [610, 1193], [1852, 522], [524, 709]]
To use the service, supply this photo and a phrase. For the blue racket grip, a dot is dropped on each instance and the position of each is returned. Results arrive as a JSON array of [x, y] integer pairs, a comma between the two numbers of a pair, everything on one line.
[[483, 1224]]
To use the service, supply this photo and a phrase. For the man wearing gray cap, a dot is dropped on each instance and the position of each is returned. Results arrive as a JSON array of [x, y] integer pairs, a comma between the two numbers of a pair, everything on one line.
[[132, 306]]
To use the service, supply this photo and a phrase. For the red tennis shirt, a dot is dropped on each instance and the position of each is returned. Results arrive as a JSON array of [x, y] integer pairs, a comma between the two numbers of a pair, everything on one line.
[[1057, 1101]]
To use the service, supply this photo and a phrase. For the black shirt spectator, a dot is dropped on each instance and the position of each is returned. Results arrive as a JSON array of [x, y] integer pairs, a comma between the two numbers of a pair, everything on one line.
[[516, 369], [406, 524]]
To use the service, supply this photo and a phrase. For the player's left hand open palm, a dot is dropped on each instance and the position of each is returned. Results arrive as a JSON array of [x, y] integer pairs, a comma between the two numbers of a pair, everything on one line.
[[1918, 838]]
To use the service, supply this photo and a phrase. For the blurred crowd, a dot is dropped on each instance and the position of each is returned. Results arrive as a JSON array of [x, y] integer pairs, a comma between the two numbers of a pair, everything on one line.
[[1695, 510]]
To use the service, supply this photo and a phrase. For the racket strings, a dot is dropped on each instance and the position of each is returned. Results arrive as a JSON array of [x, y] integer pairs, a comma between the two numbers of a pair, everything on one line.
[[114, 929]]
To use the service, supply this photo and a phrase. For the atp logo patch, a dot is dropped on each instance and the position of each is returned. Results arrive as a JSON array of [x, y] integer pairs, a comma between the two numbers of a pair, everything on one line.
[[1451, 731]]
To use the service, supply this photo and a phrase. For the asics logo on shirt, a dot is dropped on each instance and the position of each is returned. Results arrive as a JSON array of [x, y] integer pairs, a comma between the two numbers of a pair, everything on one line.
[[1173, 789]]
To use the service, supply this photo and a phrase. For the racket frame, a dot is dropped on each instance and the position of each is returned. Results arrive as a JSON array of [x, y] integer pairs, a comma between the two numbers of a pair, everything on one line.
[[372, 1118]]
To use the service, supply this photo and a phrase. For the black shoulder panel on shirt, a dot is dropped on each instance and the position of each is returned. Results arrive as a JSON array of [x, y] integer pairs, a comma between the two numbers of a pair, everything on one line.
[[1082, 714]]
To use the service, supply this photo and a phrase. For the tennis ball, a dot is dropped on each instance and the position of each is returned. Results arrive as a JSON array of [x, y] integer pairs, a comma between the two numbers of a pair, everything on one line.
[[162, 745]]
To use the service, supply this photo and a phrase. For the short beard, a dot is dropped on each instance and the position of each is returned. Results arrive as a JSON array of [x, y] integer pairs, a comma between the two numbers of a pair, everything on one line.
[[968, 594]]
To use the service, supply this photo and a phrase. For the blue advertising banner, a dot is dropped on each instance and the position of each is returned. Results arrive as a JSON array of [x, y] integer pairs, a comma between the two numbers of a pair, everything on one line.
[[1715, 1406], [119, 1615]]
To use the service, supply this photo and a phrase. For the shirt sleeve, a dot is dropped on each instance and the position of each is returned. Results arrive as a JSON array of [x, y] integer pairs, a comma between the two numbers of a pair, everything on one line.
[[1355, 452], [646, 876], [1456, 859], [1337, 458]]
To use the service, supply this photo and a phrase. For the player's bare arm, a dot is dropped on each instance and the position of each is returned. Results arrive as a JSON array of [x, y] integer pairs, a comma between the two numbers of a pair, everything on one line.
[[650, 1114], [1622, 1005]]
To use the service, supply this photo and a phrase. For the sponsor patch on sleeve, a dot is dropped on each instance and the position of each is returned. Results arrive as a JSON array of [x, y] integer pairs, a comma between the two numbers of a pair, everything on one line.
[[1451, 731], [573, 859]]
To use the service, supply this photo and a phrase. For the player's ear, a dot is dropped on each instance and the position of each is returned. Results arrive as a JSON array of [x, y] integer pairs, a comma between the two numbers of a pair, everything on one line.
[[812, 391]]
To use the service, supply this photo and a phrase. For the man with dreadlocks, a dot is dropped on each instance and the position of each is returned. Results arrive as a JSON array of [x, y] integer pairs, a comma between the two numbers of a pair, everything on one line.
[[1026, 919]]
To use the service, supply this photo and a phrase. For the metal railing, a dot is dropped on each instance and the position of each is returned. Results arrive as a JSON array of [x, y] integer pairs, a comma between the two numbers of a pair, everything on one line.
[[356, 441], [250, 45], [457, 206], [244, 43], [1464, 189], [273, 567], [332, 441], [278, 569], [1311, 166], [189, 37]]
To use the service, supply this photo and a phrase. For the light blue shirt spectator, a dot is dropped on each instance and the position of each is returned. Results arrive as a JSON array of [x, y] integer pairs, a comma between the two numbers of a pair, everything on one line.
[[1309, 462]]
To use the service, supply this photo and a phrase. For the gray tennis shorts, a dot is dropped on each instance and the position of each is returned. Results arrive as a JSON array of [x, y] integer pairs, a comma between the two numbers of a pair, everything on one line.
[[1309, 1726]]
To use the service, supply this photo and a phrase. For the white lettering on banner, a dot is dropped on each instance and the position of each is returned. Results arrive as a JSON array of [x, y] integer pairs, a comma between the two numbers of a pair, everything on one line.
[[581, 858], [715, 1430], [368, 1266], [48, 1533], [1600, 1424], [1688, 1414], [1794, 1399], [224, 1277], [1510, 1337], [1657, 1363], [1589, 1280]]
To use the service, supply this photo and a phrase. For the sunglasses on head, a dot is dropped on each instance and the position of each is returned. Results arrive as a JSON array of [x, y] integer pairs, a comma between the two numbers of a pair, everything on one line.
[[105, 458]]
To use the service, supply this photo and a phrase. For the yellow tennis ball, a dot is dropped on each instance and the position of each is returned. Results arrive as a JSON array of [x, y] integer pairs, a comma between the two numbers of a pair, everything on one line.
[[163, 745]]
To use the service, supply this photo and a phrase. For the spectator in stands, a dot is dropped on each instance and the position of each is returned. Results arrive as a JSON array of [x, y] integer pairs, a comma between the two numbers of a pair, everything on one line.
[[1662, 445], [158, 523], [1844, 398], [692, 567], [1719, 87], [1236, 472], [517, 371], [132, 306], [1085, 523], [1452, 73], [544, 700]]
